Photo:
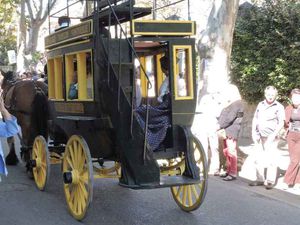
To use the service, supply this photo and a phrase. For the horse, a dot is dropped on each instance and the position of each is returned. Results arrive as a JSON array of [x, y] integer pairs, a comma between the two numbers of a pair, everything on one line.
[[26, 100]]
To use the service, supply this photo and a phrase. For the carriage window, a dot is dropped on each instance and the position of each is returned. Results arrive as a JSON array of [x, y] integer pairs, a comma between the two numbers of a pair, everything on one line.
[[55, 78], [183, 74], [148, 64], [153, 69], [150, 72], [79, 76]]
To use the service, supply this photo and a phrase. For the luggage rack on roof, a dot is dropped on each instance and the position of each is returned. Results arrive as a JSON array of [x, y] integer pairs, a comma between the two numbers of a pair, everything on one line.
[[123, 13]]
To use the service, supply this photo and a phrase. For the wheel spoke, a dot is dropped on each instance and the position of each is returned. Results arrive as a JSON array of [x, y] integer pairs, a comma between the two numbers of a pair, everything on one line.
[[69, 161], [190, 199], [71, 154], [184, 195], [84, 177], [84, 191], [195, 191], [35, 150], [179, 190], [81, 161], [75, 153]]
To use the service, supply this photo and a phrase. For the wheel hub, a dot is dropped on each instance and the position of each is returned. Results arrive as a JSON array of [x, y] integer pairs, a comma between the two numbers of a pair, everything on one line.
[[32, 163], [38, 162], [71, 177]]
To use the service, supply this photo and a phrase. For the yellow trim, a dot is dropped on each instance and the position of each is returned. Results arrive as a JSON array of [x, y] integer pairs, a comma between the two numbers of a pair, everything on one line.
[[165, 33], [69, 72], [81, 67], [68, 45], [50, 74], [159, 72], [58, 74], [70, 39], [143, 77], [190, 90]]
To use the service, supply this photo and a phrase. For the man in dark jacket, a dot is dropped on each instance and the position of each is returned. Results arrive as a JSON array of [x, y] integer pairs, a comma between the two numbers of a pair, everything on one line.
[[230, 120]]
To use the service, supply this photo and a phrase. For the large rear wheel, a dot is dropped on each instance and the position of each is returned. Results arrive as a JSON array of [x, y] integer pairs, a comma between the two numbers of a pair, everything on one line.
[[190, 197], [78, 176]]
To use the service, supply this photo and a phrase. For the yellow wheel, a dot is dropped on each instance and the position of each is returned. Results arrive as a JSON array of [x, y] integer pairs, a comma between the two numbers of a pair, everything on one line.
[[78, 176], [190, 197], [40, 161]]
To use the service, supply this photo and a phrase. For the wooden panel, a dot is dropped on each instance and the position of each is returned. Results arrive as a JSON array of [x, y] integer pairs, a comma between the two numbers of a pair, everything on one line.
[[72, 33], [164, 27]]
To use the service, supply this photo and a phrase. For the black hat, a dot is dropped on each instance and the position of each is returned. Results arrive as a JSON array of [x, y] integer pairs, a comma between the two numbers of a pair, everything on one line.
[[164, 62]]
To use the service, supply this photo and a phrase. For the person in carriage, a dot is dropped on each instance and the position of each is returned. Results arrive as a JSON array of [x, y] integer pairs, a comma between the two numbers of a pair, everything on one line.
[[160, 114]]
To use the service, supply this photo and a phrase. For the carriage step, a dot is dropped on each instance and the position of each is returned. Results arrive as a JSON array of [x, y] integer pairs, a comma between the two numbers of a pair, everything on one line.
[[165, 182], [167, 153]]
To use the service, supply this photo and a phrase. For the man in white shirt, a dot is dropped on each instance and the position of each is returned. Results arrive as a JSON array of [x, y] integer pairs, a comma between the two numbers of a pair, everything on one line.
[[268, 120]]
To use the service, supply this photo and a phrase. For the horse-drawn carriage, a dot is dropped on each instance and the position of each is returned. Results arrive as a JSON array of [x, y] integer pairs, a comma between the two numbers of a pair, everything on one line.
[[104, 132]]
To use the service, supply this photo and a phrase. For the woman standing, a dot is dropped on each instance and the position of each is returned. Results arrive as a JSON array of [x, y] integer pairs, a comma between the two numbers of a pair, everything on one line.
[[8, 128], [292, 122]]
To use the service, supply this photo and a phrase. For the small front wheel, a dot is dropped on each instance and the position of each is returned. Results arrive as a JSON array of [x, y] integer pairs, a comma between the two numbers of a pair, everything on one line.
[[40, 162]]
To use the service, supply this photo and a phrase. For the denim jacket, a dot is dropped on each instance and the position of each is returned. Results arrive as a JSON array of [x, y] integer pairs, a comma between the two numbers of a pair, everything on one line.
[[7, 129]]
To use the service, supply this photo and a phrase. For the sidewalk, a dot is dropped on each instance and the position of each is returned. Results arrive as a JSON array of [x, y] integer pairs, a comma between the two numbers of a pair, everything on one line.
[[248, 167]]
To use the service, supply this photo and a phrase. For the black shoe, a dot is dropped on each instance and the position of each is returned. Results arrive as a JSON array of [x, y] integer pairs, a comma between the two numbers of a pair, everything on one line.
[[256, 183], [269, 186]]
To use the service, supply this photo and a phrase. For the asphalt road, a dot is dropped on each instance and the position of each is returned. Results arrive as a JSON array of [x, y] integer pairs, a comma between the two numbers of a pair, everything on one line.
[[226, 203]]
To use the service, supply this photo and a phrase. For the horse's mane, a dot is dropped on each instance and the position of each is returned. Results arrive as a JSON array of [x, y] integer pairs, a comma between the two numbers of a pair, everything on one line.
[[9, 75]]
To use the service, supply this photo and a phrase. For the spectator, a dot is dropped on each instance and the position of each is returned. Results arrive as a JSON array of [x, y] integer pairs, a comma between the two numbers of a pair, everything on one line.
[[204, 128], [230, 120], [8, 128], [267, 122], [292, 122]]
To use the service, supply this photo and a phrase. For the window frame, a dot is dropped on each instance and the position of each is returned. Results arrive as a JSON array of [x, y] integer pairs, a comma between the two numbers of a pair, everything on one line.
[[190, 84]]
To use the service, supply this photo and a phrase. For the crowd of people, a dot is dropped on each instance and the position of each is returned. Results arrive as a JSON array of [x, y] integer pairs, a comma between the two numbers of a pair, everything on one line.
[[270, 117], [28, 75]]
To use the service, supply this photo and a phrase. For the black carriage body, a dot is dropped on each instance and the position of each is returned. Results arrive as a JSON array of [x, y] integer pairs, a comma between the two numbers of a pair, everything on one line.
[[106, 120]]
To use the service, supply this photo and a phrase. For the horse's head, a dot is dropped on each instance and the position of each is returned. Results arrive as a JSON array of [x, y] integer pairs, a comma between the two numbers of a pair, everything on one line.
[[6, 77]]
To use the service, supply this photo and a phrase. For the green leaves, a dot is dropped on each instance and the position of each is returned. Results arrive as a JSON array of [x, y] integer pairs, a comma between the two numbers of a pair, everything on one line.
[[7, 29], [266, 48]]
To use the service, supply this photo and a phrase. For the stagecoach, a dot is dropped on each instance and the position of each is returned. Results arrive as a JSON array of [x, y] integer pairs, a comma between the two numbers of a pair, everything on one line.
[[115, 53]]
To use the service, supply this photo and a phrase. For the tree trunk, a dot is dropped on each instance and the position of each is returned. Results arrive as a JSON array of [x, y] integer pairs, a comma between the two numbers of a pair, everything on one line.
[[33, 35], [214, 46], [21, 42]]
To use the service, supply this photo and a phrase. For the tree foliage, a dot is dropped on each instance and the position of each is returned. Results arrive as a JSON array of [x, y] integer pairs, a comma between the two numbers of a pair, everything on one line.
[[7, 29], [266, 48]]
